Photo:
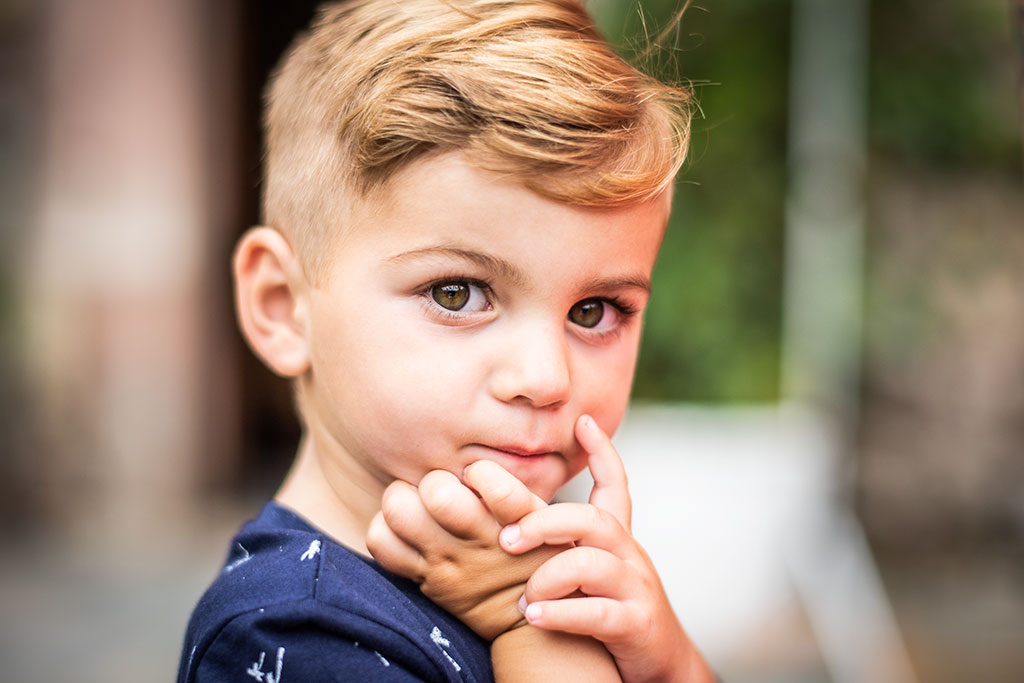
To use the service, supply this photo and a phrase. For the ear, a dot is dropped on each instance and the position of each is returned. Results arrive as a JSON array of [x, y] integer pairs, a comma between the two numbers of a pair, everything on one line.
[[270, 290]]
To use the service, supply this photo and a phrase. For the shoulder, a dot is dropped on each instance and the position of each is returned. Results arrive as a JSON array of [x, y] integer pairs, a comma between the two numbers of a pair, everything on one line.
[[305, 641], [291, 599]]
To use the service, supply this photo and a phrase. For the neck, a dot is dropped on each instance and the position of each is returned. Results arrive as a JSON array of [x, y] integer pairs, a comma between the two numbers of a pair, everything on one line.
[[339, 500]]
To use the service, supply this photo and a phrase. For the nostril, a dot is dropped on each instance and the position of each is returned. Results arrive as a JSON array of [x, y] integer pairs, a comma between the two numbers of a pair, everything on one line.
[[551, 392]]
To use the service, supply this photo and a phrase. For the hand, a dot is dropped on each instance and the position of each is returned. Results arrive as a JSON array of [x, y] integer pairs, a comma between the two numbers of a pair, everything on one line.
[[443, 536], [623, 603]]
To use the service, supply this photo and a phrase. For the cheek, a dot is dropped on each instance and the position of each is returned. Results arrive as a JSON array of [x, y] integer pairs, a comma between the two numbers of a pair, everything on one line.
[[417, 382], [605, 388], [609, 410]]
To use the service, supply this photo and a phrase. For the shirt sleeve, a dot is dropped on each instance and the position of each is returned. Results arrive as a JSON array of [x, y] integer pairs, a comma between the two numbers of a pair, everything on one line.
[[275, 646]]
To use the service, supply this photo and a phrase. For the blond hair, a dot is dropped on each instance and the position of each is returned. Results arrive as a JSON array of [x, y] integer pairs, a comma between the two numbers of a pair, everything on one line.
[[524, 88]]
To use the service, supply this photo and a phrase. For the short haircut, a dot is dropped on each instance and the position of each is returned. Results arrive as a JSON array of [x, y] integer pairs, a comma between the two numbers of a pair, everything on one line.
[[524, 88]]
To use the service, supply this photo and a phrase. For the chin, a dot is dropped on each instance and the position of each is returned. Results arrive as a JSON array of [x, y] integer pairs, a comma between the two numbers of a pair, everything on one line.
[[548, 491]]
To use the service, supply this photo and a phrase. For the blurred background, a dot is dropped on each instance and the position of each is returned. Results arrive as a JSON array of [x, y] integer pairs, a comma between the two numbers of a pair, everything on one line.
[[826, 447]]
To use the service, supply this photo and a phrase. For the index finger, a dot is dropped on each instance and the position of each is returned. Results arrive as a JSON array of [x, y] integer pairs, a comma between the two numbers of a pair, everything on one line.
[[611, 488]]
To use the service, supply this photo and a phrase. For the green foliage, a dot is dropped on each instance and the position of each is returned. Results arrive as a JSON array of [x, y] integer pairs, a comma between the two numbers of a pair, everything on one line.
[[943, 89], [712, 329], [944, 83]]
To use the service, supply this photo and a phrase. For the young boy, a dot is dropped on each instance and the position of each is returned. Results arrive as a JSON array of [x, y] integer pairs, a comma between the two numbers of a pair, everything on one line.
[[464, 201]]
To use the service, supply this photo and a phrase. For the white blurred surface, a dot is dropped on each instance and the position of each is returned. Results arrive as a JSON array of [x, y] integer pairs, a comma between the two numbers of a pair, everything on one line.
[[740, 511]]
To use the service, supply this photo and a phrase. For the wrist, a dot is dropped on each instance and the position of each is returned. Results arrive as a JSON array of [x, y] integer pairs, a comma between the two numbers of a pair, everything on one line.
[[686, 665], [698, 670]]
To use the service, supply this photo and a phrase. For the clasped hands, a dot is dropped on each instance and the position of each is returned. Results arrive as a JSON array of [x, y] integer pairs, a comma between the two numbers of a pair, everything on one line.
[[498, 557]]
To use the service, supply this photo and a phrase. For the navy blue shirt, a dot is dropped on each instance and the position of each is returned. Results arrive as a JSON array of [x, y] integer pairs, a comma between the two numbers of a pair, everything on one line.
[[293, 605]]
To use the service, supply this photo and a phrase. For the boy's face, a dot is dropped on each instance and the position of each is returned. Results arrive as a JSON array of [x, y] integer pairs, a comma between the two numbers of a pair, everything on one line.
[[468, 318]]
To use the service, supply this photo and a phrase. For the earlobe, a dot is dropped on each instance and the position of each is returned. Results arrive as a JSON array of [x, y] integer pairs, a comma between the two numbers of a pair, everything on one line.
[[269, 300]]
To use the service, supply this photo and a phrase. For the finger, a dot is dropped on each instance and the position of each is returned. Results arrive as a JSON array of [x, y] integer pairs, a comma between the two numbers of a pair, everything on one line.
[[455, 507], [607, 620], [568, 523], [406, 516], [391, 552], [508, 499], [592, 571], [611, 488]]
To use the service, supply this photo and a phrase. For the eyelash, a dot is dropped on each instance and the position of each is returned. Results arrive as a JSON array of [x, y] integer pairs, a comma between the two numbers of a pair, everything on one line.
[[435, 309], [626, 309], [623, 308]]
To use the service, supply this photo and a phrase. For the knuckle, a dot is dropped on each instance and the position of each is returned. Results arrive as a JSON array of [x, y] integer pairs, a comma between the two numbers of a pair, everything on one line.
[[569, 567], [594, 517], [437, 495], [499, 494], [441, 579], [378, 528], [375, 536], [602, 612], [619, 630], [587, 559], [438, 499], [389, 504], [600, 519], [537, 584], [399, 506]]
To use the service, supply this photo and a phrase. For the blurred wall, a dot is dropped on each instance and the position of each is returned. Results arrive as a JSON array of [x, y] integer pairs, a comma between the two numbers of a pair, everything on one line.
[[941, 450], [122, 319]]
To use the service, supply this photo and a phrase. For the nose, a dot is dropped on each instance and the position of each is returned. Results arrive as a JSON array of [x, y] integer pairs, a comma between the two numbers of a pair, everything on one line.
[[533, 367]]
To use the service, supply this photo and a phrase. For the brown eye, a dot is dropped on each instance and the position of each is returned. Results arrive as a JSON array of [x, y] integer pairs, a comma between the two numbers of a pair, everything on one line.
[[451, 295], [587, 313]]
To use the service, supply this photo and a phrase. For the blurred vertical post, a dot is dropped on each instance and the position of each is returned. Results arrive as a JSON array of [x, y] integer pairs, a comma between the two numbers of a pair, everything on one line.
[[833, 568], [132, 199], [825, 206], [1020, 82]]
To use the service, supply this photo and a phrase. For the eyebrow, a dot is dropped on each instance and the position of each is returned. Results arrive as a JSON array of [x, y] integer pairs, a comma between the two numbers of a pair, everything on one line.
[[510, 272], [614, 283], [488, 262]]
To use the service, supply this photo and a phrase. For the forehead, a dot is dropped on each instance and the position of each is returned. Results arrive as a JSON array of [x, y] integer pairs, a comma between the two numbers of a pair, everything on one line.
[[446, 197]]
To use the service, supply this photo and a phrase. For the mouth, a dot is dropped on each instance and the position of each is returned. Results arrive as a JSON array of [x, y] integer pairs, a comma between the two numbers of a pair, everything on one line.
[[516, 451], [524, 462], [542, 469]]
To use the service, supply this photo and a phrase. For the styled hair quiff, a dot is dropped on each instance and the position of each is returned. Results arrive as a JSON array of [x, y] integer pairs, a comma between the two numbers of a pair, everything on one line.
[[524, 88]]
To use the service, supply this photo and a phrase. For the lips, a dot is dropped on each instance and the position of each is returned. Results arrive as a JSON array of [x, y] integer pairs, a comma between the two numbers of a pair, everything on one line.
[[521, 451], [517, 450], [524, 461]]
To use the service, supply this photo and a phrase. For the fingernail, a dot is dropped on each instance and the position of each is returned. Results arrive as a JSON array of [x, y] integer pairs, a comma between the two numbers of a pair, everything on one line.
[[589, 423], [522, 604], [510, 535], [532, 613]]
